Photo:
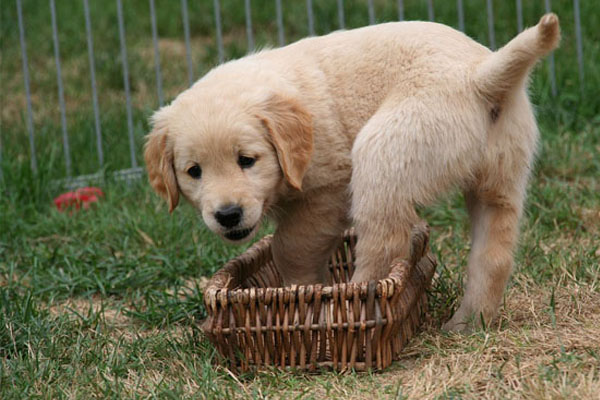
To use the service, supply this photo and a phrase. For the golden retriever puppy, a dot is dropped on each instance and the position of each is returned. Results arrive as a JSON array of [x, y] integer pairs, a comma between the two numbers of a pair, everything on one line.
[[359, 126]]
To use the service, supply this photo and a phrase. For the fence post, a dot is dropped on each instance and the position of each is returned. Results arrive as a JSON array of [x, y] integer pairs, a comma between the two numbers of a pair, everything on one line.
[[461, 15], [551, 58], [371, 12], [249, 33], [126, 82], [519, 16], [159, 91], [90, 44], [430, 12], [29, 118], [1, 169], [578, 42], [61, 96], [186, 33], [311, 22], [220, 51], [491, 32], [400, 10], [341, 19], [279, 22]]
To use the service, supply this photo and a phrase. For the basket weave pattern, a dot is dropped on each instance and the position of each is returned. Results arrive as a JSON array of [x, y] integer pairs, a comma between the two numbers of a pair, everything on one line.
[[255, 322]]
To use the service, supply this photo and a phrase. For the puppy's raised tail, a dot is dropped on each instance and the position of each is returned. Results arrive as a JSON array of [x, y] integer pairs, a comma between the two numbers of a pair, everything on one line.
[[505, 70]]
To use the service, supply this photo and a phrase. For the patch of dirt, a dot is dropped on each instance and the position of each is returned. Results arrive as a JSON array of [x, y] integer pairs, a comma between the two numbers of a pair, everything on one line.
[[112, 316], [590, 218]]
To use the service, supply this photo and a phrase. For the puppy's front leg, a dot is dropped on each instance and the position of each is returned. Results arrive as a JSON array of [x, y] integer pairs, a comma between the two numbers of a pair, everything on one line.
[[307, 234]]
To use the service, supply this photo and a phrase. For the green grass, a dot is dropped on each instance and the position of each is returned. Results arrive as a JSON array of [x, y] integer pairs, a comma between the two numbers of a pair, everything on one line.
[[106, 302]]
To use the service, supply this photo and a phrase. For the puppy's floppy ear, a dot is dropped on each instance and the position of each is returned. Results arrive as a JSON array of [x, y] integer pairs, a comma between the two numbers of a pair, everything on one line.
[[291, 132], [158, 153]]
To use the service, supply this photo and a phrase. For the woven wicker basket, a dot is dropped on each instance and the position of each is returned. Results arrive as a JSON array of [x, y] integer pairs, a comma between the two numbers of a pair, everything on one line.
[[254, 322]]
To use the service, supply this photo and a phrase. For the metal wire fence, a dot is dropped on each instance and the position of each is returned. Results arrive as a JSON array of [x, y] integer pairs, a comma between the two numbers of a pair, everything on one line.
[[134, 170]]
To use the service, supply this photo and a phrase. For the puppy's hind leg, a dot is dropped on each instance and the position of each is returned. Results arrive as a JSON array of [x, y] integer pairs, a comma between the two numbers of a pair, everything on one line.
[[406, 154], [494, 231]]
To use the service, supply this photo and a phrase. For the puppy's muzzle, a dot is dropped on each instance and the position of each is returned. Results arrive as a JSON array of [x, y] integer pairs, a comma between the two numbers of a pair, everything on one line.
[[229, 216]]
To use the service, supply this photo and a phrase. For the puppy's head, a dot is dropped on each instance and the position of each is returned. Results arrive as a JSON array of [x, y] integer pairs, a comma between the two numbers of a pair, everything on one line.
[[229, 160]]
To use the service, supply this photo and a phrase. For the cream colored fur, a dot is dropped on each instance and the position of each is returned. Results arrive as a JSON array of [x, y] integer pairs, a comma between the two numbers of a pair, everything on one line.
[[361, 126]]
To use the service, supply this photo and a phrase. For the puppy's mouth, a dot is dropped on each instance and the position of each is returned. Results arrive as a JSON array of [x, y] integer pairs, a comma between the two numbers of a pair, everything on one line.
[[238, 234]]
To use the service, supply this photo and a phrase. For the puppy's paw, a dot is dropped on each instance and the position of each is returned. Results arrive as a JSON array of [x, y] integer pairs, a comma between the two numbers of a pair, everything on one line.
[[468, 321], [458, 326], [465, 320]]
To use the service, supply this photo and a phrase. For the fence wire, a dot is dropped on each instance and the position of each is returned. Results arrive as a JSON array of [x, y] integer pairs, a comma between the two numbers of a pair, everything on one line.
[[279, 17]]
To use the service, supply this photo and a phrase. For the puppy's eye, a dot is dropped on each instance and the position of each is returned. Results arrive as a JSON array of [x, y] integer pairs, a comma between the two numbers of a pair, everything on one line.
[[246, 162], [195, 172]]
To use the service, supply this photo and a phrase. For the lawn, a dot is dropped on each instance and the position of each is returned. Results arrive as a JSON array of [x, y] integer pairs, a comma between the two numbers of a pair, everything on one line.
[[106, 302]]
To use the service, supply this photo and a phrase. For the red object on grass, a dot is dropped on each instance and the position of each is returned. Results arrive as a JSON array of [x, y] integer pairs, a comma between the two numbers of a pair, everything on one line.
[[82, 197]]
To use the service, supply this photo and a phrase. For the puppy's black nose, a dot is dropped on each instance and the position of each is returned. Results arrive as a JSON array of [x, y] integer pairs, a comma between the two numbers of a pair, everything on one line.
[[229, 216]]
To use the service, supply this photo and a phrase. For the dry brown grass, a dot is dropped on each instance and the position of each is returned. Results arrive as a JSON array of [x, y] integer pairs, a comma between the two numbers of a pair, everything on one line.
[[512, 358]]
